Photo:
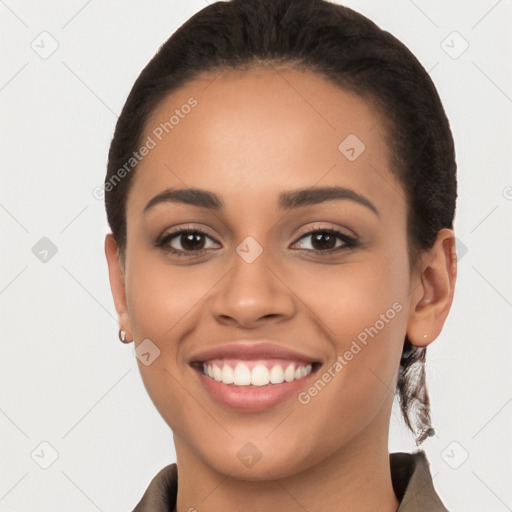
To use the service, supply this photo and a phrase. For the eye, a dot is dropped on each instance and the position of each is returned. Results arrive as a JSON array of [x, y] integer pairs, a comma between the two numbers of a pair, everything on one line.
[[186, 242], [326, 240]]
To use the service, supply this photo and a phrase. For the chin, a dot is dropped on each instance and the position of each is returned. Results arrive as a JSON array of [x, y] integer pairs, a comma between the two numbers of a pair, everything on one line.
[[256, 462]]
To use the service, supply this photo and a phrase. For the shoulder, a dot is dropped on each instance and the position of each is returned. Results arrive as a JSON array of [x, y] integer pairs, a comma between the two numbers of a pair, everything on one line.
[[412, 483], [160, 496]]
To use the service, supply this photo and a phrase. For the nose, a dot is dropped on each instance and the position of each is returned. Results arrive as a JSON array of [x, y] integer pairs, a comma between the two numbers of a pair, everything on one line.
[[252, 294]]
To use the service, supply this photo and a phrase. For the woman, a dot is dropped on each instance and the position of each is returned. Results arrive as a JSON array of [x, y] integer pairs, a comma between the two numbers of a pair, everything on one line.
[[281, 191]]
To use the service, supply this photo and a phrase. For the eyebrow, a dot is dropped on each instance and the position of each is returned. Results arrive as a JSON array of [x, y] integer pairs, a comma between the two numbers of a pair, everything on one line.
[[192, 196], [287, 200]]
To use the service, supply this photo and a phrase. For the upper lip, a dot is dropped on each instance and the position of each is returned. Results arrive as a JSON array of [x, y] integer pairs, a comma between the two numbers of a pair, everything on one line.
[[250, 350]]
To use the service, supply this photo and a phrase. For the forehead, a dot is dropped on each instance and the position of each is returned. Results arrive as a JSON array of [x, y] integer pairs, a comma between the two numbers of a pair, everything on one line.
[[254, 133]]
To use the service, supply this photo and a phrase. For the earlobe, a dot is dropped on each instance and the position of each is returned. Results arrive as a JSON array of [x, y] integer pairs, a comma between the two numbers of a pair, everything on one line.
[[434, 286], [117, 284]]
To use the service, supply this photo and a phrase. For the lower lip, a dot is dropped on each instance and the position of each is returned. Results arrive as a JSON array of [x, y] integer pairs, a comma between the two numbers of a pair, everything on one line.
[[252, 399]]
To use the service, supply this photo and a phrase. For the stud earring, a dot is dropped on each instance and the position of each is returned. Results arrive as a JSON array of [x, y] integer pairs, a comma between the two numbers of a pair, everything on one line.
[[122, 336]]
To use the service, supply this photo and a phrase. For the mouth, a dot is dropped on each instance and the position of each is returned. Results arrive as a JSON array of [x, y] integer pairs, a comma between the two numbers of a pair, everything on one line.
[[255, 373], [253, 377]]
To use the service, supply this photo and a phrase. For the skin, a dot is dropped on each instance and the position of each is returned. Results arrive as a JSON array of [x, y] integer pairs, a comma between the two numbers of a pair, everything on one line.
[[253, 135]]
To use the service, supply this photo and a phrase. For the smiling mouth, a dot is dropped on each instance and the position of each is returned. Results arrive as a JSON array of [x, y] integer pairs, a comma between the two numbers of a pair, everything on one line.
[[255, 373]]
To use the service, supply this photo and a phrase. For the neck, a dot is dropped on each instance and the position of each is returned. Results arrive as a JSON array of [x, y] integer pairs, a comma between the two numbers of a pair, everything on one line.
[[358, 477]]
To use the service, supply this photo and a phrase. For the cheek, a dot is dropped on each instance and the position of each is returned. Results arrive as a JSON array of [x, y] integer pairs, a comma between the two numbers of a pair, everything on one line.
[[346, 300], [161, 296], [365, 297], [164, 303], [363, 312]]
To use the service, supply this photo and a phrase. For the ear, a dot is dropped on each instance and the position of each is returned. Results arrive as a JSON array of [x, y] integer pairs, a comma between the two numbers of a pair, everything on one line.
[[117, 284], [433, 286]]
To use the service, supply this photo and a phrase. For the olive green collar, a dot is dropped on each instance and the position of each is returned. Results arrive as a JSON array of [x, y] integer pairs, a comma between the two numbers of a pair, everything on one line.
[[410, 475]]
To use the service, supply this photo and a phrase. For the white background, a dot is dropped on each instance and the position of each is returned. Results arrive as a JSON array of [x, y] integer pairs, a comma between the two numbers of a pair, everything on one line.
[[67, 380]]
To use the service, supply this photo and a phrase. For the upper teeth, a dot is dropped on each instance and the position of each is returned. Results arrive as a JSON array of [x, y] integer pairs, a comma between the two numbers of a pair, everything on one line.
[[260, 375]]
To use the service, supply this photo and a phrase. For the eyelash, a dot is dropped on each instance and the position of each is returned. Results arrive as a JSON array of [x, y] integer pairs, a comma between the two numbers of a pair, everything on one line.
[[349, 242]]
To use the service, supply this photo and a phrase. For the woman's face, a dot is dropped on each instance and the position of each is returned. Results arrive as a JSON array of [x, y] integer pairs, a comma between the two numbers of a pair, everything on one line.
[[264, 274]]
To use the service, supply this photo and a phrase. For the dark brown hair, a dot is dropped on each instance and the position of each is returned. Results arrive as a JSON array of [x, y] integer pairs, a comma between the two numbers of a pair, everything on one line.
[[355, 54]]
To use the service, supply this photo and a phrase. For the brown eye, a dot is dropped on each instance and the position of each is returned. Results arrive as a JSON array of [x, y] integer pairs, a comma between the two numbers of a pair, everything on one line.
[[191, 241], [322, 240], [326, 240]]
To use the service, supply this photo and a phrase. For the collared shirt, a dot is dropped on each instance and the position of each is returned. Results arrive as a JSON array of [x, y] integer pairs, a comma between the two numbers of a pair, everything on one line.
[[410, 476]]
